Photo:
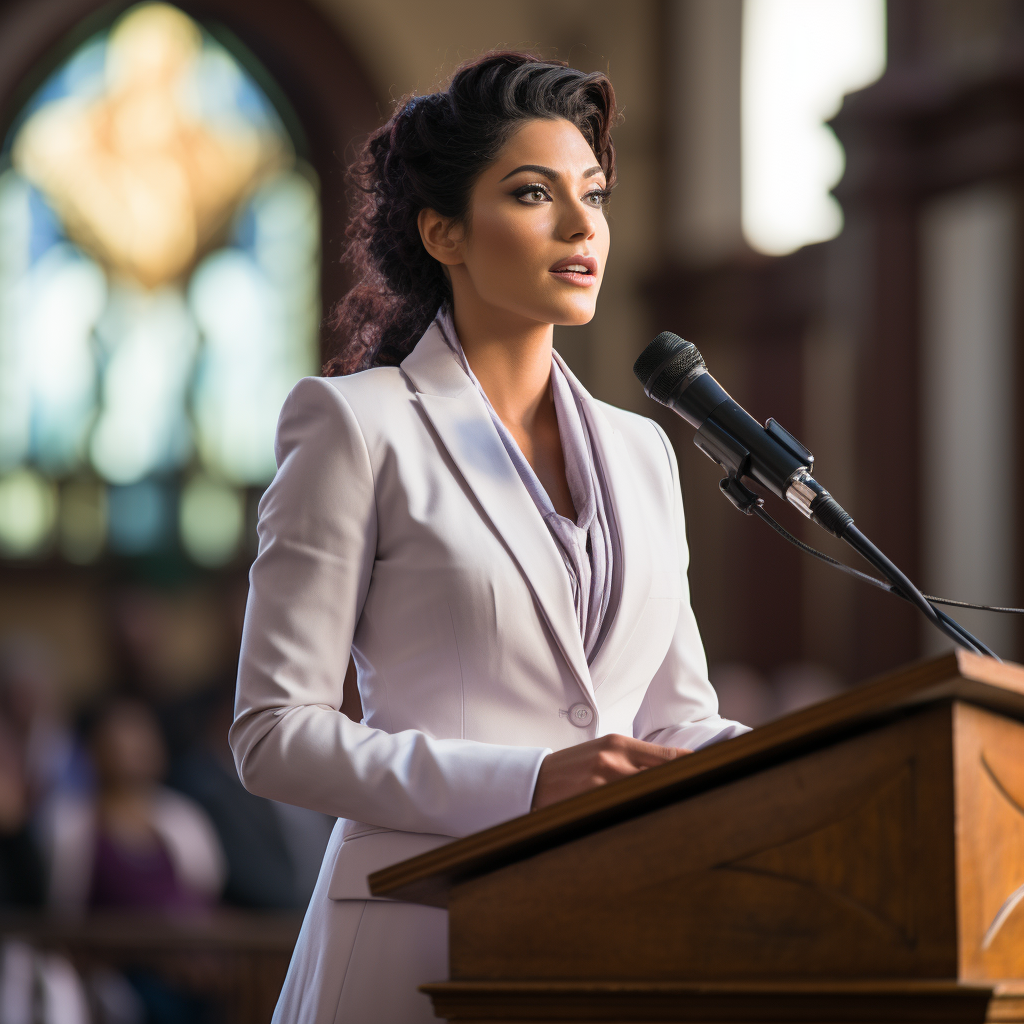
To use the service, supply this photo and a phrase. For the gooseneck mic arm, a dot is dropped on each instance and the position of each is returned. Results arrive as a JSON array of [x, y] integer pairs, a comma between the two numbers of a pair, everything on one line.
[[673, 373]]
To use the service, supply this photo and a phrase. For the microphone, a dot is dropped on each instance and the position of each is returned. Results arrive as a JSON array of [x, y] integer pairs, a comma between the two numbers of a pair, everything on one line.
[[673, 373]]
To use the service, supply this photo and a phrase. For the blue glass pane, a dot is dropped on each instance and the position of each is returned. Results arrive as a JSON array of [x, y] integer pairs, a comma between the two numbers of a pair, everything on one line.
[[66, 294], [147, 344], [141, 517]]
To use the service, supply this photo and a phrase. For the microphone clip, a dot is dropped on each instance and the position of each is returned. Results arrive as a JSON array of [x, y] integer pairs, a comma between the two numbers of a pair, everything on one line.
[[740, 495], [721, 447]]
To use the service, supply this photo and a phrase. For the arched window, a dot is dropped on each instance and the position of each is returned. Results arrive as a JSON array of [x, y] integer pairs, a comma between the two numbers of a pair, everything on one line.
[[159, 295]]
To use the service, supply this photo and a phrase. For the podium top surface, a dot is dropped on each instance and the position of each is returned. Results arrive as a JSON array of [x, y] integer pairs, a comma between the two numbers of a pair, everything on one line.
[[956, 676]]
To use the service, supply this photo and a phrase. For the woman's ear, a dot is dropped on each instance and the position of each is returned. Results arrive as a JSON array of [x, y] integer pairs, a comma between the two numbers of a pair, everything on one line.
[[442, 237]]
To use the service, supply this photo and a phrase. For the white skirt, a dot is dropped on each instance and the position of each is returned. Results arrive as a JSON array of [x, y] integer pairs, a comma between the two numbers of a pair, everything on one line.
[[362, 962]]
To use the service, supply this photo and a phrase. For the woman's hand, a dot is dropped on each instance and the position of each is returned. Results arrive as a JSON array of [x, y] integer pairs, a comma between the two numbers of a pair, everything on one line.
[[574, 770]]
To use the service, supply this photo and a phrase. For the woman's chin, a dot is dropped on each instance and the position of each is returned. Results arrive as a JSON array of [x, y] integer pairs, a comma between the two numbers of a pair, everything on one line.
[[562, 313], [576, 317], [571, 314]]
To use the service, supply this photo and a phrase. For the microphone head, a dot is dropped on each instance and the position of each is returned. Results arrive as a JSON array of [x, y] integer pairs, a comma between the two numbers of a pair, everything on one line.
[[666, 363]]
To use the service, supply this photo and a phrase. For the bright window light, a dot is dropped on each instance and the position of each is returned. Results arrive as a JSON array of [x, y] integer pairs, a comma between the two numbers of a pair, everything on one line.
[[800, 57]]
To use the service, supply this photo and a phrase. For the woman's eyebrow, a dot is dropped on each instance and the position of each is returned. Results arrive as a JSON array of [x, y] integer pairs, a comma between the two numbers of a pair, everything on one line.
[[548, 172], [537, 168]]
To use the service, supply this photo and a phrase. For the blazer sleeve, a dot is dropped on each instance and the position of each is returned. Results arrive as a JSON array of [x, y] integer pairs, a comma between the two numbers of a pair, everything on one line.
[[680, 708], [317, 541]]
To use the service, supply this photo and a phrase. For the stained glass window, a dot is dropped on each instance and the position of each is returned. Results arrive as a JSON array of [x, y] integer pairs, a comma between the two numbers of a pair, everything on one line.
[[159, 295]]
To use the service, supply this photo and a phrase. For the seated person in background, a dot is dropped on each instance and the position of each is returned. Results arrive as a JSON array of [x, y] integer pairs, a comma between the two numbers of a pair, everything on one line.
[[136, 844], [273, 850], [52, 758], [21, 870]]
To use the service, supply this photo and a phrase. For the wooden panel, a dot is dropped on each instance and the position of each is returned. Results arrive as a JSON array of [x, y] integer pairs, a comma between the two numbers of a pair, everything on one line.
[[873, 1002], [990, 843], [429, 878], [838, 864]]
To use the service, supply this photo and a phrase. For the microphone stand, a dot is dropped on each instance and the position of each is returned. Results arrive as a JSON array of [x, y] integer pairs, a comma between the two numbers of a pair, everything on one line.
[[831, 516]]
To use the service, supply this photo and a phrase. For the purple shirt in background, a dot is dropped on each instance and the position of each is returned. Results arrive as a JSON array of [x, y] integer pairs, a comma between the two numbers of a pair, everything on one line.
[[142, 879]]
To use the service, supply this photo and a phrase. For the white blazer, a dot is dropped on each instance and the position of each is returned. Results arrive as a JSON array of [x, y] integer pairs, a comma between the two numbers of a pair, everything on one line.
[[397, 528]]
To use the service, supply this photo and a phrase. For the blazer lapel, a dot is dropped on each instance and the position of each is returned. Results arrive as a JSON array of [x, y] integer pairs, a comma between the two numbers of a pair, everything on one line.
[[458, 414], [631, 528]]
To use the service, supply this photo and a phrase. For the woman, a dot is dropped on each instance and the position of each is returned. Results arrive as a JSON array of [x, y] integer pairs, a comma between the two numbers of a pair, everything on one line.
[[136, 845], [503, 556]]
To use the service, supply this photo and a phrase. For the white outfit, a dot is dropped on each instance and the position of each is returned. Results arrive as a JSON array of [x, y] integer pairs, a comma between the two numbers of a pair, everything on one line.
[[397, 527]]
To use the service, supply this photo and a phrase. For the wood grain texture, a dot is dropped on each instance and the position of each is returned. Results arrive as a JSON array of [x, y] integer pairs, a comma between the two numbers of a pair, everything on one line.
[[983, 681], [837, 864], [990, 843], [875, 1002]]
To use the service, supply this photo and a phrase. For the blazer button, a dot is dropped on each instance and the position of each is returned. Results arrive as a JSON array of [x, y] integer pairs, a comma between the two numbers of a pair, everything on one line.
[[581, 715]]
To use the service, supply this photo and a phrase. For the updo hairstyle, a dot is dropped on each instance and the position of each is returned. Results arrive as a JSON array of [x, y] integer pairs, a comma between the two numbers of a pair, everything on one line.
[[428, 156]]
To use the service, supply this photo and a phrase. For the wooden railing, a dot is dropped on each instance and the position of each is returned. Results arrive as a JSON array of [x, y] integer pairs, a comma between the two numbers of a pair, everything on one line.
[[234, 960]]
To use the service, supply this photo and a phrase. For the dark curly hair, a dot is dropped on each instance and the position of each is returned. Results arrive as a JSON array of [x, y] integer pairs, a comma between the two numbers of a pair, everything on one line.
[[428, 156]]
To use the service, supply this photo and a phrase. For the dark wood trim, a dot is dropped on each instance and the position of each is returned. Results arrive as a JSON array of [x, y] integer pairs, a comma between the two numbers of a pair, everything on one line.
[[859, 1002]]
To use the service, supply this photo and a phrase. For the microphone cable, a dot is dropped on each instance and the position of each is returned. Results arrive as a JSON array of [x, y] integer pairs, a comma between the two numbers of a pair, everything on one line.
[[758, 510]]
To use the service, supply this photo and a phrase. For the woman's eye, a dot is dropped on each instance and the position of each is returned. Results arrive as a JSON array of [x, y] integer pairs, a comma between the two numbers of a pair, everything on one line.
[[532, 194], [597, 197]]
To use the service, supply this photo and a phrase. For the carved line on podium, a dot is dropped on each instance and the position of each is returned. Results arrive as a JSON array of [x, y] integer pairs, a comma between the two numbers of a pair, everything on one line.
[[896, 868], [998, 783], [1011, 903], [1001, 917]]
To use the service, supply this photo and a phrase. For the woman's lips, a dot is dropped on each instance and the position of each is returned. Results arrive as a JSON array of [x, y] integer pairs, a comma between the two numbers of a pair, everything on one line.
[[578, 270]]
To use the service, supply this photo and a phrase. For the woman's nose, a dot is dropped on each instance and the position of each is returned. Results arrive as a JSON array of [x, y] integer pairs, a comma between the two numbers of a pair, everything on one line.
[[577, 223]]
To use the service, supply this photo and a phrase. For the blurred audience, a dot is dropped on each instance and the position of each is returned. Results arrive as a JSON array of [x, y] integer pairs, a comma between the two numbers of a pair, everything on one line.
[[91, 818], [86, 820], [30, 703], [135, 844], [40, 760], [21, 868], [42, 988], [273, 850]]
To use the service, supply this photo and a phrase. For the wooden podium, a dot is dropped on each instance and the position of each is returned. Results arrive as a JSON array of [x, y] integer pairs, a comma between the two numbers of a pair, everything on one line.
[[860, 860]]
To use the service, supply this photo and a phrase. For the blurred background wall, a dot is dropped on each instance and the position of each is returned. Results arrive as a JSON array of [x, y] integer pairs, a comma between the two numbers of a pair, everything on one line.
[[171, 215]]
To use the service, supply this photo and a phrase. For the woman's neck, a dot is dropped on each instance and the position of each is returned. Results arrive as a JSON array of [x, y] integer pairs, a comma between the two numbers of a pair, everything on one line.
[[511, 357]]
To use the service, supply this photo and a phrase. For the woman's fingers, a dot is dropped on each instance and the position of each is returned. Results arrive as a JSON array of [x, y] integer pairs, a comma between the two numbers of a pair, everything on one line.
[[618, 760], [649, 755], [576, 769]]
